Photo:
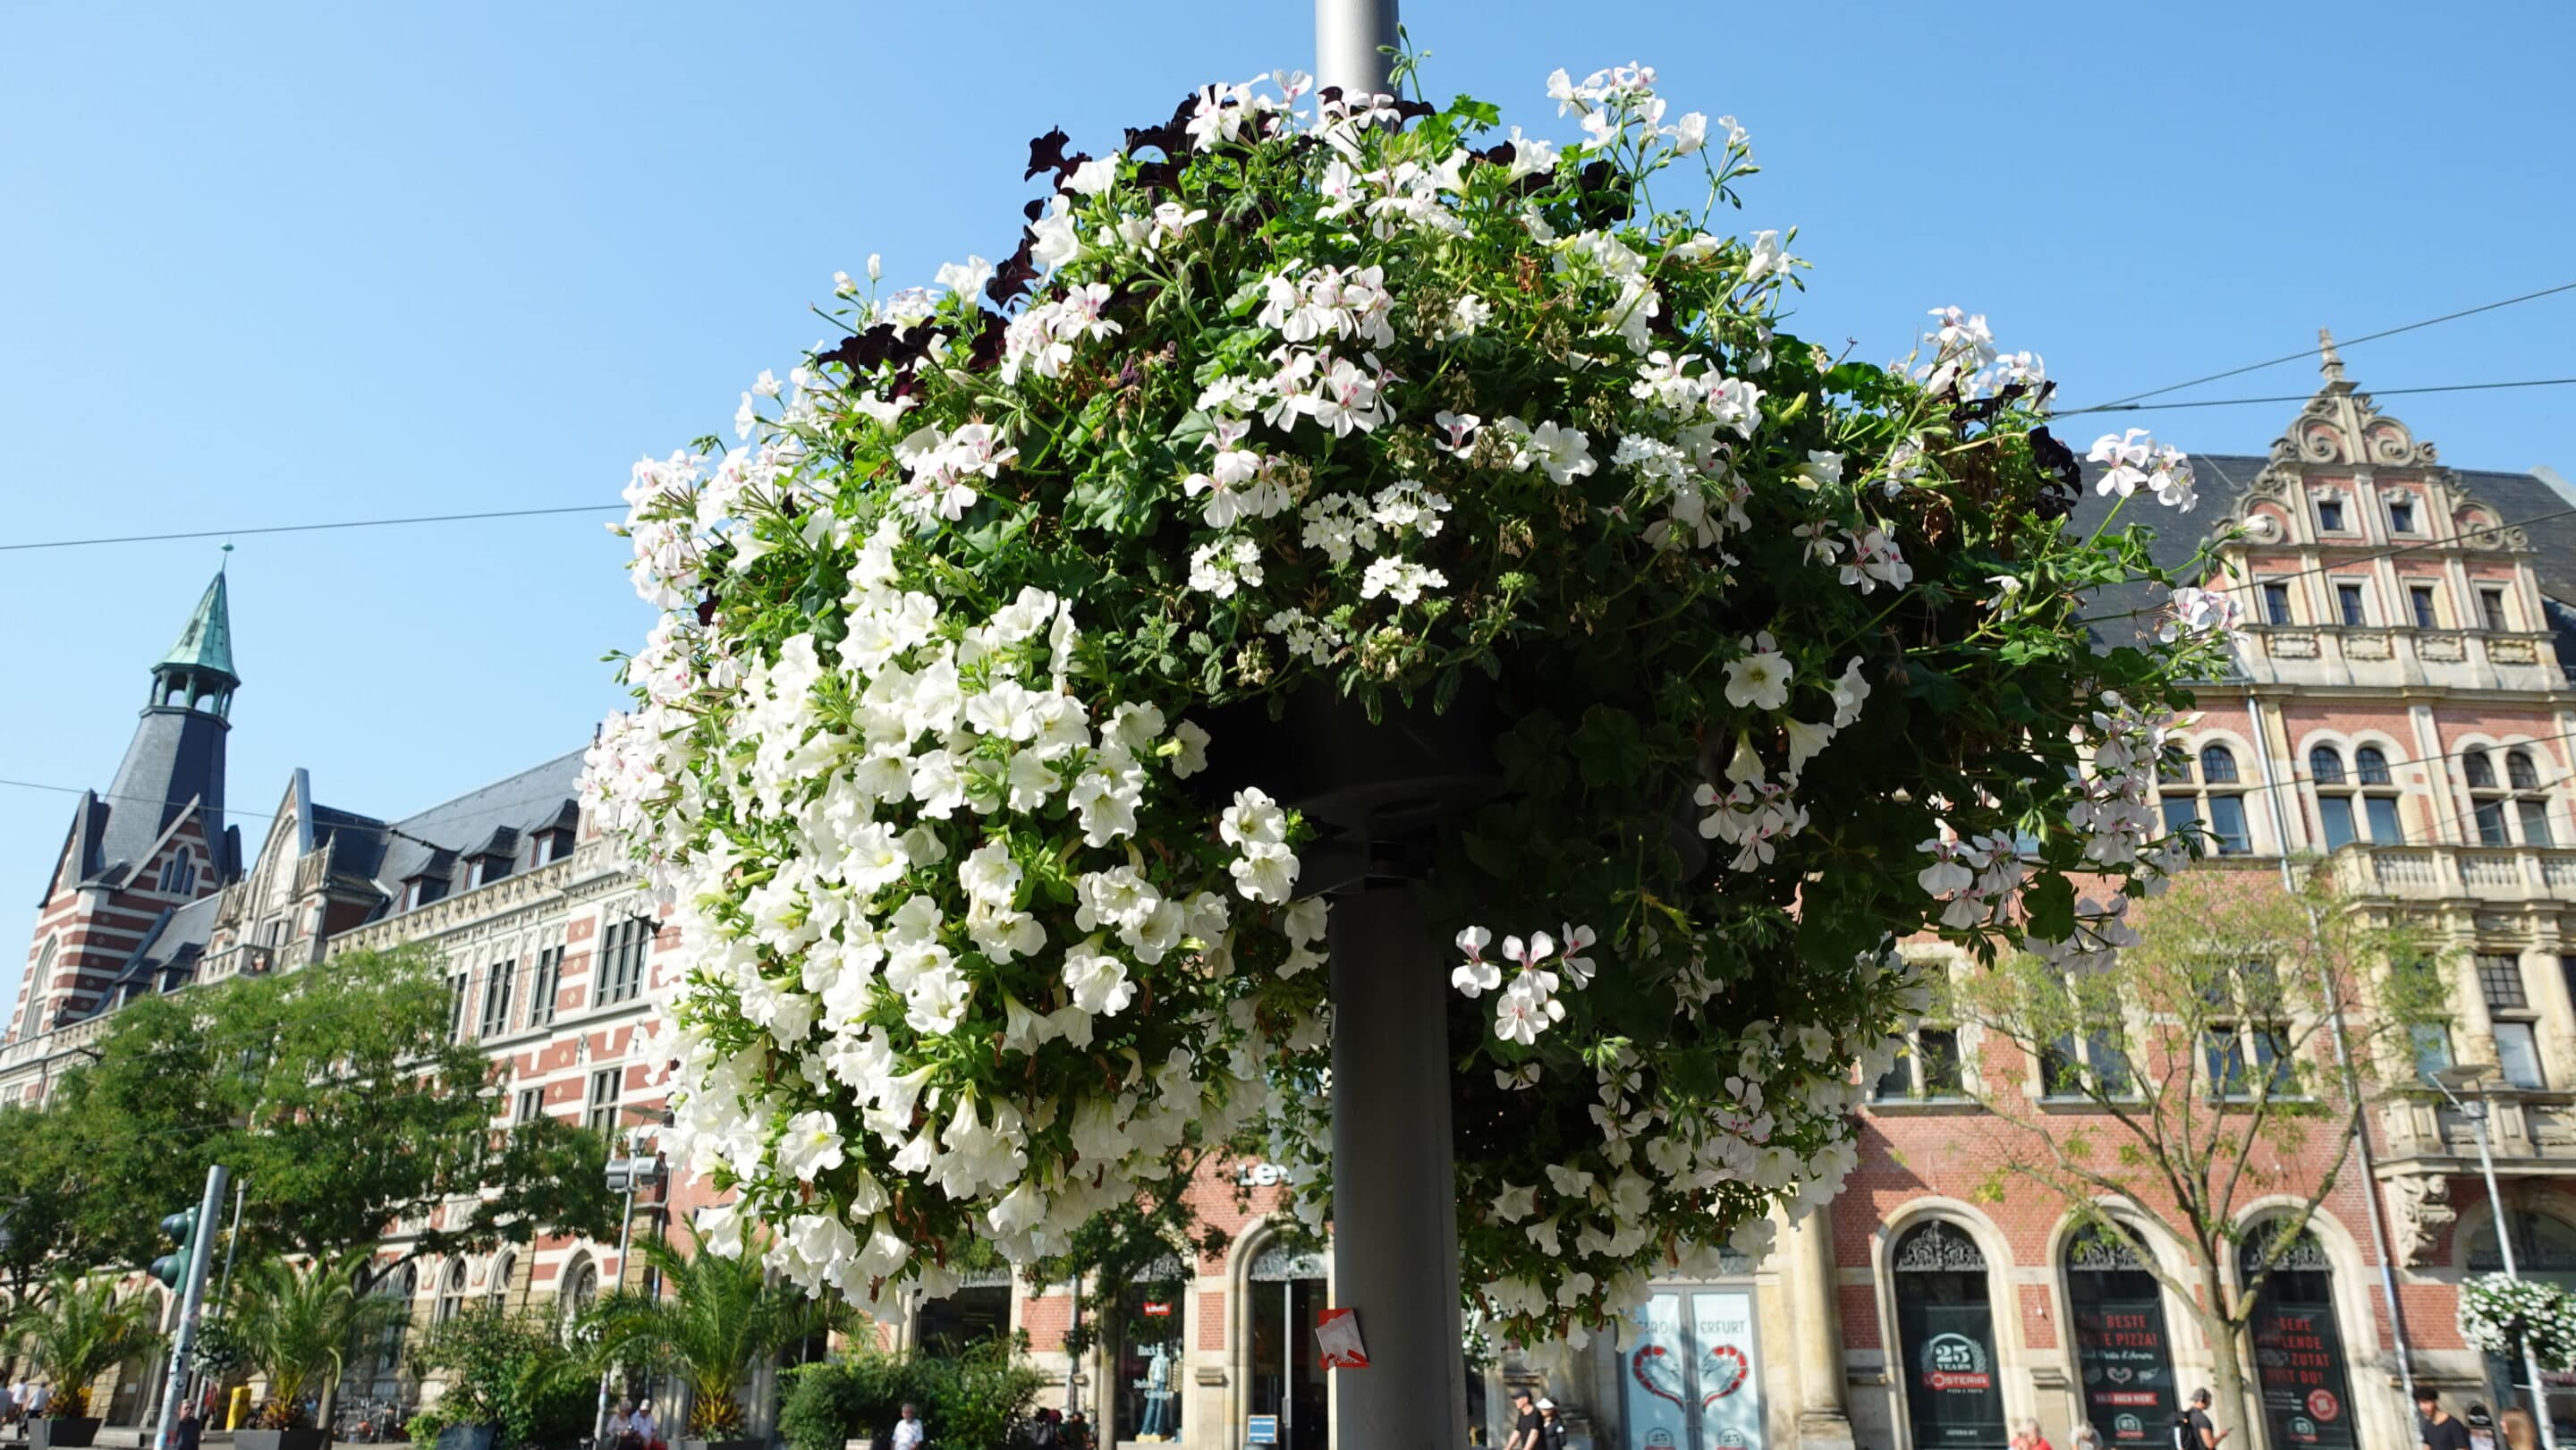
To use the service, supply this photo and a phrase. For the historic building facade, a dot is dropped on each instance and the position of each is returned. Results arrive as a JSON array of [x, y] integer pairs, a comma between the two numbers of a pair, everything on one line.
[[2402, 712]]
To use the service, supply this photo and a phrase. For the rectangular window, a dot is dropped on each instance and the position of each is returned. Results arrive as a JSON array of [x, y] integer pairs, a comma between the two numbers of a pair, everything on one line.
[[2330, 515], [457, 986], [1939, 1055], [2068, 1070], [2535, 822], [2348, 605], [2518, 1054], [2110, 1062], [2276, 604], [2490, 817], [622, 949], [2420, 598], [601, 1114], [496, 998], [2491, 611], [2181, 812], [2401, 516], [2432, 1048], [2241, 1059], [530, 1105], [2227, 823], [2381, 810], [542, 985], [2336, 813], [2060, 1074], [2500, 981]]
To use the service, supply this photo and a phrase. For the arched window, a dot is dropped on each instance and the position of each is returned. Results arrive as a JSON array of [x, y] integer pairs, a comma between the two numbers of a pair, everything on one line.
[[377, 1364], [2346, 816], [503, 1271], [1945, 1324], [2121, 1342], [2517, 805], [451, 1293], [2215, 811], [580, 1289], [38, 985], [2298, 1341]]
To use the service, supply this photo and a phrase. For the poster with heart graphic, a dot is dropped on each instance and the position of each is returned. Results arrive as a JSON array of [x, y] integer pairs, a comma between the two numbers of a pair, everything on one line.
[[1691, 1378]]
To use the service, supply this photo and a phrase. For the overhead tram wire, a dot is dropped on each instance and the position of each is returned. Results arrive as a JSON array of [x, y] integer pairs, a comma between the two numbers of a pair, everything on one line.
[[314, 528], [2309, 352], [2303, 397]]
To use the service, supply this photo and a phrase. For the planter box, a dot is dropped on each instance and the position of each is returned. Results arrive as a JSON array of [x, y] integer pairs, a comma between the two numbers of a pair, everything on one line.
[[453, 1437], [281, 1440], [63, 1431]]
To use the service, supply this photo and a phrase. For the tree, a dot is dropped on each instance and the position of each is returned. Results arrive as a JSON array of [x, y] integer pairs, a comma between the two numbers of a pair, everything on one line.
[[339, 1100], [713, 1318], [507, 1369], [295, 1324], [2227, 1055], [77, 1331]]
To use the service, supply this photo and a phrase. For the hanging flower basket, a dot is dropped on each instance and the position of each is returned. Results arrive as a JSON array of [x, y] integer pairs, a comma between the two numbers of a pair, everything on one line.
[[1727, 661], [2499, 1315]]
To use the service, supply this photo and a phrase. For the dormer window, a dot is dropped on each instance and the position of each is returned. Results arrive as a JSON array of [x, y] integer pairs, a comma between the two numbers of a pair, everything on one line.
[[420, 891], [2330, 515], [178, 874], [2401, 516], [2491, 616], [484, 870], [549, 845]]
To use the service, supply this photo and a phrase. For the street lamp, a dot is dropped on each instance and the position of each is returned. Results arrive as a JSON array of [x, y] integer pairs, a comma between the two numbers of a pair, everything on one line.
[[2475, 1076], [626, 1176]]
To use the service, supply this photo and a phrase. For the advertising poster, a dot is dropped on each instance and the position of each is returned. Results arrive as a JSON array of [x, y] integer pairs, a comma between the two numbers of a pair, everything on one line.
[[2298, 1361], [1952, 1393], [1729, 1393], [2127, 1367], [1692, 1373]]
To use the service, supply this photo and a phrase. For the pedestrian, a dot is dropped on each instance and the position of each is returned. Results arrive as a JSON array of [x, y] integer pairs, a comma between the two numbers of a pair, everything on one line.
[[2441, 1432], [2030, 1437], [2481, 1428], [2520, 1431], [1526, 1421], [185, 1434], [1551, 1426], [647, 1428], [1076, 1433], [2087, 1438], [2193, 1429], [1043, 1428], [621, 1427], [908, 1432]]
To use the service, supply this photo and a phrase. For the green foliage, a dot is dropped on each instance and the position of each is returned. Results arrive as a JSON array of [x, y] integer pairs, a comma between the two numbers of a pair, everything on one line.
[[716, 1316], [975, 1399], [75, 1332], [294, 1324], [507, 1369], [334, 1094]]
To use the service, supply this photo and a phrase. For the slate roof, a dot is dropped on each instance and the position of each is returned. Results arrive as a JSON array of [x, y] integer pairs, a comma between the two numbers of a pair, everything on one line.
[[431, 842], [176, 756], [167, 956]]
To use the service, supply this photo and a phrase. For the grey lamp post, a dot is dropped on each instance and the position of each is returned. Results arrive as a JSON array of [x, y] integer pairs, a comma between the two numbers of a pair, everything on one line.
[[2476, 1076], [626, 1176]]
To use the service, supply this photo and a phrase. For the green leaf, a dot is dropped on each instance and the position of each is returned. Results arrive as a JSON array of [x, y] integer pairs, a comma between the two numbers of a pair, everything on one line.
[[1610, 747]]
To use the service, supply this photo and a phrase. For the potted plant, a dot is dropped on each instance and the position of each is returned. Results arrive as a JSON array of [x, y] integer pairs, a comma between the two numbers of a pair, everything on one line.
[[294, 1325], [74, 1333], [1357, 415], [508, 1379], [714, 1317]]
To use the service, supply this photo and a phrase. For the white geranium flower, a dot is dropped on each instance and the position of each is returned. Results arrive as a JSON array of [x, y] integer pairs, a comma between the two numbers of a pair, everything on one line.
[[1760, 678]]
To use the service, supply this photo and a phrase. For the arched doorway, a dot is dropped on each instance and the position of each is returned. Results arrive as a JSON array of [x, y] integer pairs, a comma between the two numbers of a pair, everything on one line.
[[2299, 1364], [2544, 1249], [1286, 1283], [377, 1362], [2123, 1352], [1945, 1326]]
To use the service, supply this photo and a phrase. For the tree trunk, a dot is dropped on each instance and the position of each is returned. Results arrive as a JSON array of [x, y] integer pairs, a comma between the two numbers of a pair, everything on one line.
[[2227, 1387]]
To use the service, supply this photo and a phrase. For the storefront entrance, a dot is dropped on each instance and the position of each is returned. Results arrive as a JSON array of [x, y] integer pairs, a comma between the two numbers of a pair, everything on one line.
[[2298, 1351], [1945, 1326], [1148, 1378], [2122, 1350], [1287, 1294], [2544, 1248], [1691, 1376]]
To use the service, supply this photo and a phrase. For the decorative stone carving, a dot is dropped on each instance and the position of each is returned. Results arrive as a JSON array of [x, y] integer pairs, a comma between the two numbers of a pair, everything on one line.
[[1936, 1247], [2419, 1206], [2511, 651], [2292, 646], [2366, 645], [2441, 648]]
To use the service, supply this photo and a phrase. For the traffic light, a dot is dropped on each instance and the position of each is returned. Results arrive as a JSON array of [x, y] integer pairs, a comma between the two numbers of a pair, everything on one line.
[[181, 1229]]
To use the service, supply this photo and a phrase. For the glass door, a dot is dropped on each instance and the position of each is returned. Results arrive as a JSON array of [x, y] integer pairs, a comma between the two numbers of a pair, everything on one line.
[[1287, 1379]]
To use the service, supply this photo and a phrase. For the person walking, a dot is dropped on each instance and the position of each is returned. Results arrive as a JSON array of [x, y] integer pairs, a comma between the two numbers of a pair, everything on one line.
[[2520, 1431], [1526, 1421], [188, 1431], [2441, 1431], [2030, 1437], [1551, 1426], [908, 1430]]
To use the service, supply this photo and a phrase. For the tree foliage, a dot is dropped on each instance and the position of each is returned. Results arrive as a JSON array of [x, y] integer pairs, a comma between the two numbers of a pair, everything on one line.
[[295, 1323], [511, 1370], [338, 1099], [76, 1331], [976, 1398]]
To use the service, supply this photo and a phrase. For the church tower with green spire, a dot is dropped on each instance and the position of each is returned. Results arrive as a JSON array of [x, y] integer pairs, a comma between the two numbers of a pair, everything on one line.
[[141, 863]]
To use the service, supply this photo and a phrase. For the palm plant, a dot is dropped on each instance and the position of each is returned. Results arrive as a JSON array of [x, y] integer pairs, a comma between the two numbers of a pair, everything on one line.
[[76, 1332], [296, 1324], [716, 1316]]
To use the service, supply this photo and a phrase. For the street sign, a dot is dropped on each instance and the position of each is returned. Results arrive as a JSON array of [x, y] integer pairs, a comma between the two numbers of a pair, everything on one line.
[[1261, 1429]]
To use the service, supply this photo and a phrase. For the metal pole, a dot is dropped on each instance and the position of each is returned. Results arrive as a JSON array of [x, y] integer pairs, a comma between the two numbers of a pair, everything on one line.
[[174, 1385], [625, 1237], [1395, 1216], [2504, 1244], [2343, 1060], [1352, 38]]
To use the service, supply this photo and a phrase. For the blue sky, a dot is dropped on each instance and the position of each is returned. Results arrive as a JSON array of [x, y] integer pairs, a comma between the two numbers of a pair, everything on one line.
[[282, 264]]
